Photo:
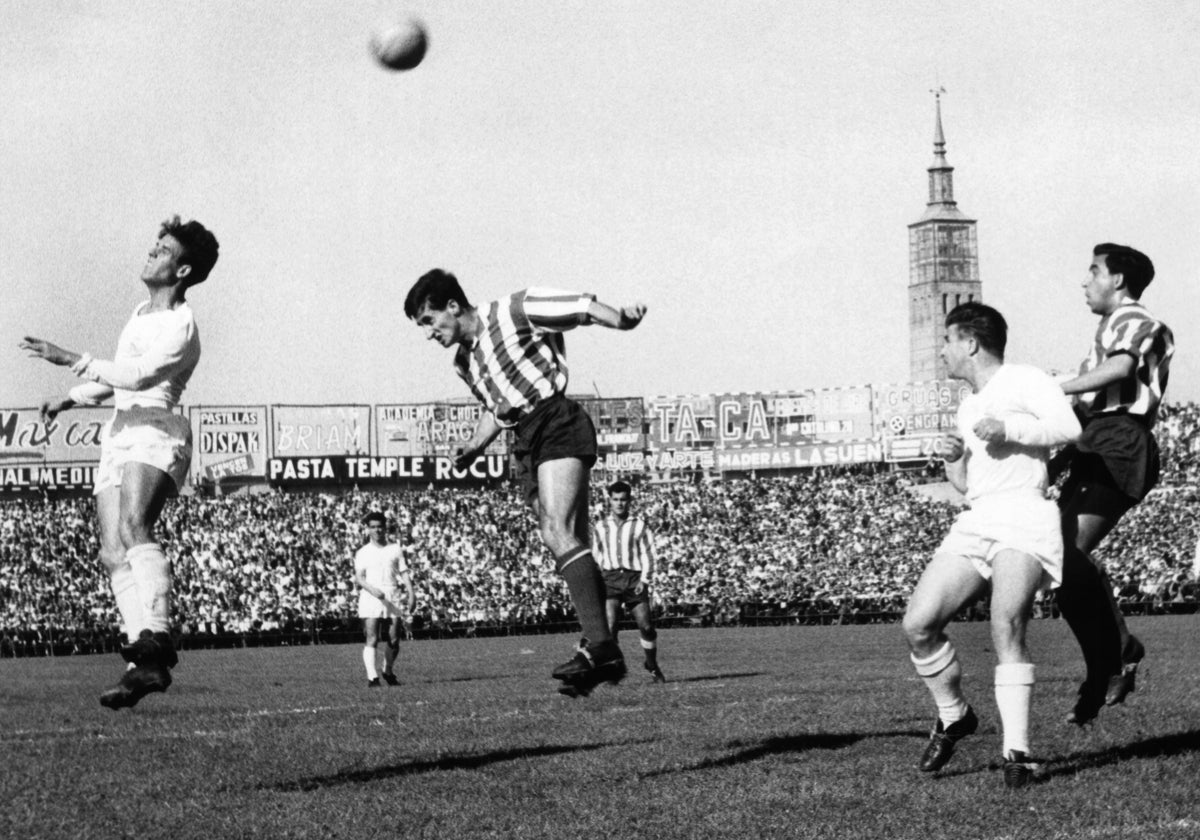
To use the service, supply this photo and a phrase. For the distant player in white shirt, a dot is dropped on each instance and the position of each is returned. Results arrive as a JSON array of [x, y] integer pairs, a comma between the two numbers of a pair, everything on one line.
[[1010, 534], [381, 573], [624, 549], [146, 448]]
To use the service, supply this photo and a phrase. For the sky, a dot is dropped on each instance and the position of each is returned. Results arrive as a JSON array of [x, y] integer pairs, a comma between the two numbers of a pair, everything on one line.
[[746, 170]]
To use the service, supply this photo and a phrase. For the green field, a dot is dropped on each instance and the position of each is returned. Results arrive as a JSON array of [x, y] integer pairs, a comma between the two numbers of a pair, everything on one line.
[[774, 732]]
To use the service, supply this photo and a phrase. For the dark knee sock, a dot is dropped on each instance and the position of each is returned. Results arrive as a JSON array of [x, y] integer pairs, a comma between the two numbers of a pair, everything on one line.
[[1089, 611], [578, 568], [650, 647]]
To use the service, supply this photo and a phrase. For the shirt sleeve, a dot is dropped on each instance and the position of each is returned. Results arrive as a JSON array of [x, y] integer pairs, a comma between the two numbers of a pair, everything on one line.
[[555, 310], [1134, 335], [1048, 420], [651, 559], [90, 393], [170, 352]]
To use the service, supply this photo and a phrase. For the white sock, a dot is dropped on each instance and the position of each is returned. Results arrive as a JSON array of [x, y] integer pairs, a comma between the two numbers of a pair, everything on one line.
[[1014, 693], [129, 605], [369, 661], [152, 571], [942, 675]]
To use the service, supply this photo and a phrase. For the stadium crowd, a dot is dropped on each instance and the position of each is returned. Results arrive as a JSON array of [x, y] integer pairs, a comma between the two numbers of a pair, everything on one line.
[[842, 544]]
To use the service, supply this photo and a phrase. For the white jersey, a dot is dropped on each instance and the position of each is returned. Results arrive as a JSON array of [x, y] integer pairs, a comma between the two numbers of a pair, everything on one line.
[[156, 355], [382, 566], [1036, 415]]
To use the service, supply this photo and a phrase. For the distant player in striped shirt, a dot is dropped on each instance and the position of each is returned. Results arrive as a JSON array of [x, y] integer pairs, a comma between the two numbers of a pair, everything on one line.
[[624, 547], [1113, 466], [510, 353]]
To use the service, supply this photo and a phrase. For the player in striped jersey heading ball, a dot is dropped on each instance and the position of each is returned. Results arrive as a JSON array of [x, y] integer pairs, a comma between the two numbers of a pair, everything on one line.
[[624, 547], [510, 352], [1114, 465]]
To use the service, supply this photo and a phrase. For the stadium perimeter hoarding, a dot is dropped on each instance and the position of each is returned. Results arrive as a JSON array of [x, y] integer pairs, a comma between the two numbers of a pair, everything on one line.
[[911, 418], [365, 470], [310, 431], [793, 418], [59, 455], [755, 431], [620, 422], [438, 428], [229, 442]]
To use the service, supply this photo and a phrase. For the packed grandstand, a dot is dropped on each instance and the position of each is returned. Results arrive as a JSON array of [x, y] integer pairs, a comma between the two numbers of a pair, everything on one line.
[[829, 544]]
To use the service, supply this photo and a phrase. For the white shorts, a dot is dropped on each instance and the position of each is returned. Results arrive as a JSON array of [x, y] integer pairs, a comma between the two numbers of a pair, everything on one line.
[[371, 607], [153, 436], [1025, 523]]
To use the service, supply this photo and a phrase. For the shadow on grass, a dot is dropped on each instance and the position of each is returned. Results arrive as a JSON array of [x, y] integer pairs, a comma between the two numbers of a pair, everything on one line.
[[408, 768], [775, 746], [1162, 746], [740, 675]]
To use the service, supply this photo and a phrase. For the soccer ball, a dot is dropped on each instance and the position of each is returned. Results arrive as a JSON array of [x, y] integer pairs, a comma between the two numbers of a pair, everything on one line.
[[400, 46]]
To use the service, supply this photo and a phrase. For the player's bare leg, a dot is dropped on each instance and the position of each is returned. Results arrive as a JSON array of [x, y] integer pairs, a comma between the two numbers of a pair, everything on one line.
[[648, 636], [139, 501], [1015, 580], [947, 585], [562, 510], [612, 608], [369, 651], [391, 650]]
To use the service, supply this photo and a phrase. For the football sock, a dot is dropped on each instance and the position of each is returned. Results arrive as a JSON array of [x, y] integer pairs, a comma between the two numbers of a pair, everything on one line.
[[389, 656], [578, 568], [152, 572], [650, 649], [129, 604], [942, 675], [1014, 692], [369, 661]]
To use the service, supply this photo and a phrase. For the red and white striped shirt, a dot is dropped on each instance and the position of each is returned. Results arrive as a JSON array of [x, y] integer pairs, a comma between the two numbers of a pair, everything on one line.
[[1132, 330], [624, 544], [518, 359]]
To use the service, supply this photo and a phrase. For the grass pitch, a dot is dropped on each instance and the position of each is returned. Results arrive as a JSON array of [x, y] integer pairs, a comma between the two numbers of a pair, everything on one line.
[[803, 732]]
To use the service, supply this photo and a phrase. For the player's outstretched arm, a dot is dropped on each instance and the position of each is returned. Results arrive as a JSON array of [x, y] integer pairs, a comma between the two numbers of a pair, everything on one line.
[[486, 430], [625, 318], [1113, 369], [39, 348]]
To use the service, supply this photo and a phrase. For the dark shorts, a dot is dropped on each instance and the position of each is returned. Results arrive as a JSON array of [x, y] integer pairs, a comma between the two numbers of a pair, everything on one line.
[[557, 428], [1114, 467], [620, 585]]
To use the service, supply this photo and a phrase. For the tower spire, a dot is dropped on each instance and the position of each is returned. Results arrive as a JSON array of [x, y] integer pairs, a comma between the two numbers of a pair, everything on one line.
[[941, 202]]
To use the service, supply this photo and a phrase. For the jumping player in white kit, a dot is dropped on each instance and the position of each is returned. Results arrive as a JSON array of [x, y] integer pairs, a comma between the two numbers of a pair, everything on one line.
[[381, 573], [146, 448]]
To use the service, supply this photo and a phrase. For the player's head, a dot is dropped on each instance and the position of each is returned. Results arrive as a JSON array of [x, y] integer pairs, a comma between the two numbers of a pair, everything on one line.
[[375, 520], [198, 248], [619, 494], [973, 327], [1134, 266], [434, 289], [437, 304]]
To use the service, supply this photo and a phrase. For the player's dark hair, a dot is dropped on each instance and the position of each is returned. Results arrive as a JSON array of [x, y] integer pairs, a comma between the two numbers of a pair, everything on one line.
[[619, 487], [374, 516], [435, 288], [1130, 263], [200, 247], [983, 323]]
